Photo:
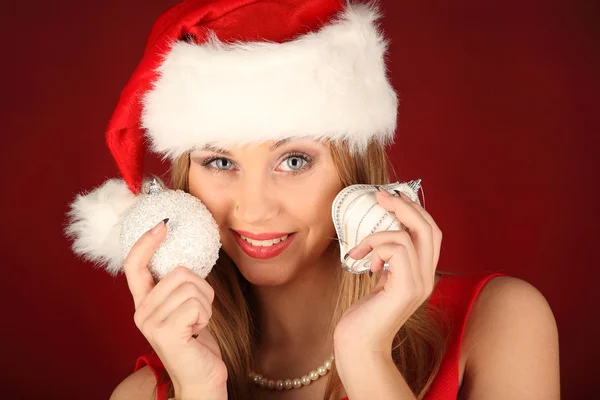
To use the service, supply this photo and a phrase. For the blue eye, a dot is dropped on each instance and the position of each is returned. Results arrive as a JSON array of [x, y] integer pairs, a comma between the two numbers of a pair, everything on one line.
[[216, 161], [295, 163]]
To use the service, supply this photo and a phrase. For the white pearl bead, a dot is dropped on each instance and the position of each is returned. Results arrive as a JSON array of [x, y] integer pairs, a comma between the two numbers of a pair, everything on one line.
[[291, 383]]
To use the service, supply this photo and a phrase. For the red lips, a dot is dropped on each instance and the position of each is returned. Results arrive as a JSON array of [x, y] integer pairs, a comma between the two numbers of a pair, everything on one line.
[[260, 252]]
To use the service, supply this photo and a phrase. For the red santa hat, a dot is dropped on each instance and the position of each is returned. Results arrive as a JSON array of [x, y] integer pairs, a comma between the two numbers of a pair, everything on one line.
[[230, 72]]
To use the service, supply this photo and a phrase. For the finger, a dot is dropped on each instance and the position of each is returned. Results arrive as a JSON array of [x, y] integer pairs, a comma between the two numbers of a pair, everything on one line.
[[375, 239], [189, 318], [404, 211], [383, 244], [419, 228], [377, 264], [436, 231], [378, 239], [418, 207], [366, 245], [403, 278], [176, 278], [179, 296], [135, 266]]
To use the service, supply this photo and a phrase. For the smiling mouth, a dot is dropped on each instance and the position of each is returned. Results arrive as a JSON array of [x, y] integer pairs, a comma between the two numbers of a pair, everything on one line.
[[264, 243], [263, 249]]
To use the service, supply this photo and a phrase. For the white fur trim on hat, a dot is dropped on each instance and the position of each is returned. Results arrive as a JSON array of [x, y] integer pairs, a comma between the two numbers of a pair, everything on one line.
[[330, 84], [95, 223]]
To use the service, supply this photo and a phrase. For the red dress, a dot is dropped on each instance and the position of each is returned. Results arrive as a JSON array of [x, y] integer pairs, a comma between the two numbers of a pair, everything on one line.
[[455, 295]]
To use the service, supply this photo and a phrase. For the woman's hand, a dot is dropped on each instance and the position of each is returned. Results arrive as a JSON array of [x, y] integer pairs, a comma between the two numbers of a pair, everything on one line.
[[169, 314], [370, 325]]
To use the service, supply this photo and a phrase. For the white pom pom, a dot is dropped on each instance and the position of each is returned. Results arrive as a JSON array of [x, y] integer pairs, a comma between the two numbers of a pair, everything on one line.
[[192, 239], [95, 223]]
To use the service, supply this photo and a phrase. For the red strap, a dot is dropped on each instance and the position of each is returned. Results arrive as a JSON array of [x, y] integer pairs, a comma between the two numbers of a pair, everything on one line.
[[454, 296], [158, 369]]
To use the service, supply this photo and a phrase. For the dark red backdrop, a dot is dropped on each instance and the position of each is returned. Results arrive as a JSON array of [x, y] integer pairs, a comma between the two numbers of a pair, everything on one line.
[[498, 116]]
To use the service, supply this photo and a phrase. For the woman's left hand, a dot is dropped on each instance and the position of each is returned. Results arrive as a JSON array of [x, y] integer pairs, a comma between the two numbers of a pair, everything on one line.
[[371, 323]]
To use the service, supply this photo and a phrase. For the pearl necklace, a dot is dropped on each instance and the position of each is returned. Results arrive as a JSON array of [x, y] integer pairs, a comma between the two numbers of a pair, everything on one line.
[[295, 383]]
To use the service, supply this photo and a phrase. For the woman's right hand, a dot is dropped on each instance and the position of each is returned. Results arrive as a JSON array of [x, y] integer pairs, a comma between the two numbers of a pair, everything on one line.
[[169, 314]]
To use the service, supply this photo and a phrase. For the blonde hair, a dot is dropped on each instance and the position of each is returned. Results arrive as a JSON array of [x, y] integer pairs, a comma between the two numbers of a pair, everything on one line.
[[417, 349]]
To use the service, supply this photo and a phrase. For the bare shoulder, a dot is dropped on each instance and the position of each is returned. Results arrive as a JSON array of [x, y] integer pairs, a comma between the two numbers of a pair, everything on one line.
[[514, 301], [137, 386], [511, 343]]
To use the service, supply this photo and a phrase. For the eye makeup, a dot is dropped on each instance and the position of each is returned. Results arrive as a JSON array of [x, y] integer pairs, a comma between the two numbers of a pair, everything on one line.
[[223, 161], [209, 162]]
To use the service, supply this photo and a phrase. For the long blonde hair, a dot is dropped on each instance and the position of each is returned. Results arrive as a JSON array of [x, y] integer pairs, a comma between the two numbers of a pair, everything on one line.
[[417, 349]]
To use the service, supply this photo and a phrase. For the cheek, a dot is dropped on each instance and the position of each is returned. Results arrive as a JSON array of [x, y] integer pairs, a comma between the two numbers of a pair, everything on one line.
[[208, 196], [315, 204], [215, 205]]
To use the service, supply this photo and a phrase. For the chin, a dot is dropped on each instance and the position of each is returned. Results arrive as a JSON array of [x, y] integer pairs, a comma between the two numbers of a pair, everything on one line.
[[266, 274]]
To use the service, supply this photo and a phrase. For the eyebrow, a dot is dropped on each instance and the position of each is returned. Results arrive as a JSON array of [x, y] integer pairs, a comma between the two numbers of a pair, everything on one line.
[[227, 153]]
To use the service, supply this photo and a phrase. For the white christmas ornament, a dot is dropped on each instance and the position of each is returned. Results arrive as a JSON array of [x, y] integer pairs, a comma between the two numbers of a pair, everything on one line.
[[192, 239], [357, 214]]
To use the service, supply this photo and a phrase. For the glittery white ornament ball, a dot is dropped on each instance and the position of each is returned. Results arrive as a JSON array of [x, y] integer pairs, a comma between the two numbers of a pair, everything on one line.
[[192, 237]]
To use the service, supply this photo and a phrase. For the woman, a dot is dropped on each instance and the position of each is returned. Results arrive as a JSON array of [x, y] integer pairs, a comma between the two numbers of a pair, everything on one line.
[[268, 110]]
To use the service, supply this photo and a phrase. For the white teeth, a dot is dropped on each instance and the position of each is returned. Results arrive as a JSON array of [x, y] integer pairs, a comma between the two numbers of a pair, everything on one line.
[[264, 243]]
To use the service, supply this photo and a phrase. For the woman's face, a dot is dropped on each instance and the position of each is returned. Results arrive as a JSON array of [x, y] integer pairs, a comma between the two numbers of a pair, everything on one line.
[[272, 202]]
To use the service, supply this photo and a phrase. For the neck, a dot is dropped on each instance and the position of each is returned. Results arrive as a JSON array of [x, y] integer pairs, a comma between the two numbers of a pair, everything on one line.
[[297, 316]]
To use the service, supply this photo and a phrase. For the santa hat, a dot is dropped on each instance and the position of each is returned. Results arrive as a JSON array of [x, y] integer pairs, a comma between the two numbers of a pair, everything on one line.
[[230, 72]]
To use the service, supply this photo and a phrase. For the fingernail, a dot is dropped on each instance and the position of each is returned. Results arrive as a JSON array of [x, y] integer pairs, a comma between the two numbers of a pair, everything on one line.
[[348, 253], [400, 194], [159, 226], [385, 193]]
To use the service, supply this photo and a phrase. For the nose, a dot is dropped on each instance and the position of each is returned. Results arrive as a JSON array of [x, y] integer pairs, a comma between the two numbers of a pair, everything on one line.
[[256, 202]]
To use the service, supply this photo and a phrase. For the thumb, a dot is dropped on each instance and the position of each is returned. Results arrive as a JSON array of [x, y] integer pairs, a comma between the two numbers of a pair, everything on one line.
[[135, 266]]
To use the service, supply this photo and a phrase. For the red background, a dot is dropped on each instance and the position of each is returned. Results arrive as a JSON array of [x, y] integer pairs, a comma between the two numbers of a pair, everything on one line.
[[498, 116]]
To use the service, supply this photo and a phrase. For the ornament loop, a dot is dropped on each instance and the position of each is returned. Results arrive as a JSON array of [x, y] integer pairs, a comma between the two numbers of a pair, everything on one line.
[[153, 186]]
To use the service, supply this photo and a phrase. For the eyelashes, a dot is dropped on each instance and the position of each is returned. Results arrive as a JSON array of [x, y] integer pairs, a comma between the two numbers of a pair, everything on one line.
[[306, 159], [210, 160]]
